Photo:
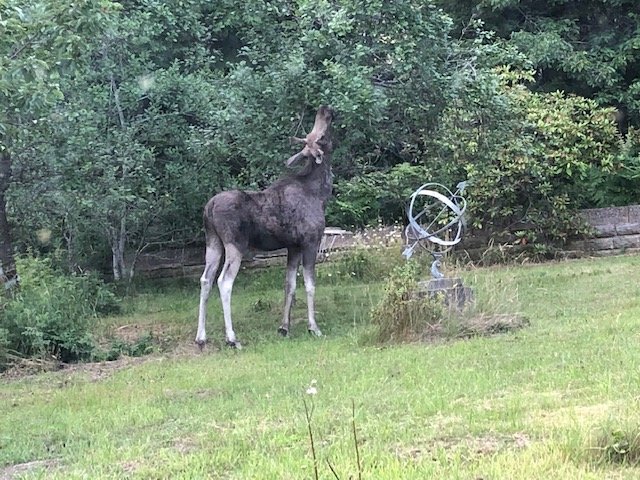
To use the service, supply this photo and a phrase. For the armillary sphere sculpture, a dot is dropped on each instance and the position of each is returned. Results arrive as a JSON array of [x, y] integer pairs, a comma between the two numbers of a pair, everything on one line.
[[436, 221]]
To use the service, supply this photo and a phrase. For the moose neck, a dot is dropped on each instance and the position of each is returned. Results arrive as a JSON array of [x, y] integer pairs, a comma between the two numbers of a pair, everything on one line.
[[319, 178]]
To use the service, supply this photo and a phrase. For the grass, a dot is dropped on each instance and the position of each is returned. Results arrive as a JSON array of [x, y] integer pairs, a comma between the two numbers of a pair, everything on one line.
[[558, 398]]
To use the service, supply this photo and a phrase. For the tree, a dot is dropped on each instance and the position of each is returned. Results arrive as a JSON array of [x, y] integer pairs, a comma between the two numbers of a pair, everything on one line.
[[37, 41], [170, 94], [589, 48]]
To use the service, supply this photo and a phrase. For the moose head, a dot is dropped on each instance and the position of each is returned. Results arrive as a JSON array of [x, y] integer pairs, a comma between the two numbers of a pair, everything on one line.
[[317, 143]]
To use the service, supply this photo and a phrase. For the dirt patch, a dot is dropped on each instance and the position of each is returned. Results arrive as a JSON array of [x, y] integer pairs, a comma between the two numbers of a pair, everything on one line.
[[134, 332], [14, 471], [492, 324], [95, 371]]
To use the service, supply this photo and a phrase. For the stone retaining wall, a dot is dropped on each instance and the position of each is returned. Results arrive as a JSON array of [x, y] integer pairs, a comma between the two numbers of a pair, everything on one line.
[[616, 231], [189, 261]]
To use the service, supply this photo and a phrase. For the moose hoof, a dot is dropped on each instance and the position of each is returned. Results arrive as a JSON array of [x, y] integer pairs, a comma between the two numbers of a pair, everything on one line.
[[315, 332], [235, 345], [201, 344], [283, 331]]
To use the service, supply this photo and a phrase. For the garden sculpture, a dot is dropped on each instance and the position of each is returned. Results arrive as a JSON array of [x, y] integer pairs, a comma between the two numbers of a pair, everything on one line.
[[436, 221]]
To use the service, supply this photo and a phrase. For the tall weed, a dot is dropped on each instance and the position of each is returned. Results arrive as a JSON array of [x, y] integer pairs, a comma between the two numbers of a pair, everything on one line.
[[401, 314]]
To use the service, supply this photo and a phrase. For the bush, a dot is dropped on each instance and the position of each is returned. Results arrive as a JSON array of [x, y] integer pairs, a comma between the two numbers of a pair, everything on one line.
[[364, 264], [52, 314], [529, 157], [622, 186]]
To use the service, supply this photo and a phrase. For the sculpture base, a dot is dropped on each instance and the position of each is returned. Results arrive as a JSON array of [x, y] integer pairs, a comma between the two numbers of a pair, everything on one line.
[[455, 294]]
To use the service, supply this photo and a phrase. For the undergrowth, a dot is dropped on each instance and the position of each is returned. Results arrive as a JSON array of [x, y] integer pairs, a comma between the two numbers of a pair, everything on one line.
[[401, 314], [52, 314]]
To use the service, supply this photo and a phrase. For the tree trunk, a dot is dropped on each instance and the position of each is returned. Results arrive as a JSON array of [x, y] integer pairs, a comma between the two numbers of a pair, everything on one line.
[[118, 238], [8, 272]]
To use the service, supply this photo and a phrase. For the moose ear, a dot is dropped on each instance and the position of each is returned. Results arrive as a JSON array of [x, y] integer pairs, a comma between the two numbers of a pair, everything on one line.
[[295, 158]]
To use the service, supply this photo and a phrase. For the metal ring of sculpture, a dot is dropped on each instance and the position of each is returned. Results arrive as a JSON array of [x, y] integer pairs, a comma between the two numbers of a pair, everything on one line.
[[436, 219]]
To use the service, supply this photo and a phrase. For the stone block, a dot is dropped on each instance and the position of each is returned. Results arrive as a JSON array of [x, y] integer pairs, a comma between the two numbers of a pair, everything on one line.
[[599, 243], [605, 216], [606, 230], [634, 213], [628, 228], [626, 241], [455, 294]]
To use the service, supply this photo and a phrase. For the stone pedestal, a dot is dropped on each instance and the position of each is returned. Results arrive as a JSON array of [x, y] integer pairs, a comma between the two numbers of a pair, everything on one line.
[[454, 293]]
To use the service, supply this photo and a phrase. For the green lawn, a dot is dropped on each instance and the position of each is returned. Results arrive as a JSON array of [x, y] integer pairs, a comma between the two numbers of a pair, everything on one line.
[[550, 401]]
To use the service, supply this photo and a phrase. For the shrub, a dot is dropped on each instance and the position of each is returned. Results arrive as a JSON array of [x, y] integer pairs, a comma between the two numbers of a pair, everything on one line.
[[364, 264], [622, 186], [529, 157], [52, 314]]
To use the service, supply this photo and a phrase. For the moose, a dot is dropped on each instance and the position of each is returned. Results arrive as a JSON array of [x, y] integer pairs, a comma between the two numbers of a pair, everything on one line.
[[288, 214]]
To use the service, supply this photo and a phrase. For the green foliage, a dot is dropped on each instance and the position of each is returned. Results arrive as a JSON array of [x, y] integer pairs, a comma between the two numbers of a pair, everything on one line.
[[53, 314], [528, 157], [165, 105], [36, 40], [138, 348], [402, 314], [376, 197], [361, 264], [588, 48], [5, 346], [622, 185]]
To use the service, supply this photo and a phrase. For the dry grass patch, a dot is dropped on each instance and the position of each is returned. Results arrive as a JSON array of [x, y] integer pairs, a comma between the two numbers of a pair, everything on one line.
[[580, 415], [468, 446], [16, 471]]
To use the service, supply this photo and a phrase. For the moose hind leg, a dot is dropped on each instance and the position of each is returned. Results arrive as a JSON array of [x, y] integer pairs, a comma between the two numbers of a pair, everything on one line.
[[233, 258], [293, 260], [309, 274], [212, 261]]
